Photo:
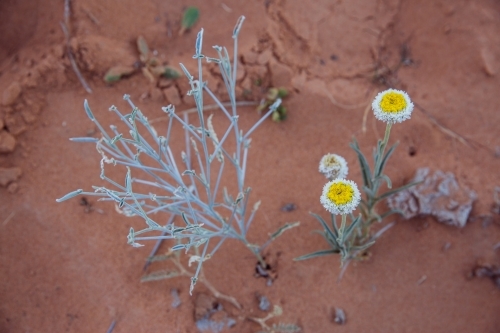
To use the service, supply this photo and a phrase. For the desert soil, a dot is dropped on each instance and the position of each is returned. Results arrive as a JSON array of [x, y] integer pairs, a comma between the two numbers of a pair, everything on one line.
[[66, 267]]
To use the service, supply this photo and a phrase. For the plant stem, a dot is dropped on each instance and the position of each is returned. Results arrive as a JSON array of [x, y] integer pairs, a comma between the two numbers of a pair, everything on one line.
[[342, 227]]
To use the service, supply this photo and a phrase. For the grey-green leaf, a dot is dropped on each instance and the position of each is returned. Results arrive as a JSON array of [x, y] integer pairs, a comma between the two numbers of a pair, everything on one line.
[[190, 17]]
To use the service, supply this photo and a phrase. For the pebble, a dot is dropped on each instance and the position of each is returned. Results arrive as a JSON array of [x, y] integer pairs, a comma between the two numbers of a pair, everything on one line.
[[13, 187], [281, 75], [250, 57], [264, 57], [9, 175], [172, 95], [11, 93], [7, 142], [490, 65]]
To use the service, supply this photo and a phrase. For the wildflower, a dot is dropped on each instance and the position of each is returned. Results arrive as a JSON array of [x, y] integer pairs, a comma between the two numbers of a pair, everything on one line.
[[392, 106], [340, 196], [333, 166]]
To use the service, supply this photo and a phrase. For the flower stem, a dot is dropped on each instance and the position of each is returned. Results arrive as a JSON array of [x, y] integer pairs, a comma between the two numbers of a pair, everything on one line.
[[342, 227]]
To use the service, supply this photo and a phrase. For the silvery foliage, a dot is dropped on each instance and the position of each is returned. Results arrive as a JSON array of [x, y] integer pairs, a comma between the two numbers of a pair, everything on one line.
[[175, 186]]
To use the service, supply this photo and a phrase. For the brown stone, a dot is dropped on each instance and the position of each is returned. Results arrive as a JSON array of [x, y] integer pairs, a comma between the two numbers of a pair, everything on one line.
[[7, 142], [28, 117], [172, 95], [15, 124], [490, 64], [11, 93], [9, 175], [281, 75], [298, 81], [157, 95], [250, 57], [264, 57], [13, 187]]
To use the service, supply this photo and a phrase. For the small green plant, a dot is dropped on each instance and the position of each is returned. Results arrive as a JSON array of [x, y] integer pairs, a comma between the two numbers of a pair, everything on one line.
[[342, 197], [273, 94], [189, 18], [187, 186], [151, 66]]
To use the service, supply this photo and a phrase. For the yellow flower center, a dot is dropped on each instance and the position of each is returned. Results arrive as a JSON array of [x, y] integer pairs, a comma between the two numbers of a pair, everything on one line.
[[393, 102], [340, 193]]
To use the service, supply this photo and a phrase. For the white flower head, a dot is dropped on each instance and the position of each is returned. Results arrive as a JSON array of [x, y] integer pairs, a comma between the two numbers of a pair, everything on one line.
[[333, 166], [392, 106], [340, 196]]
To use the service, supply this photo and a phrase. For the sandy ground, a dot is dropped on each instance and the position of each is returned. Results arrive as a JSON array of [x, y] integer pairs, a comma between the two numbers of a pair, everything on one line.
[[67, 268]]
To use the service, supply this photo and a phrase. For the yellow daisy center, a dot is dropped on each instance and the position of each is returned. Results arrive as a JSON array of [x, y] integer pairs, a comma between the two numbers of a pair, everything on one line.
[[393, 102], [340, 193]]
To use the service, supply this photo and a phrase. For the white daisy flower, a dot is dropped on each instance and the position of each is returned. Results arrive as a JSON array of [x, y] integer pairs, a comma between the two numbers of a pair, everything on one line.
[[340, 196], [392, 106], [333, 166]]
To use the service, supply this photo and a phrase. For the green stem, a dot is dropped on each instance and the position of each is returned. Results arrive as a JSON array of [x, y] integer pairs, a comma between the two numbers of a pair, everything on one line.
[[341, 230], [383, 146]]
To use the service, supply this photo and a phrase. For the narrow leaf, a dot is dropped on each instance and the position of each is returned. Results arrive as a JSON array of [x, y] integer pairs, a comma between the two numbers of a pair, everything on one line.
[[69, 195], [284, 228], [365, 168], [399, 189], [160, 275], [384, 160], [316, 254]]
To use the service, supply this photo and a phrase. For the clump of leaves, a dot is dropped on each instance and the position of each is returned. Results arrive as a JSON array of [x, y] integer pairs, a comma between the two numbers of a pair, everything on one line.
[[272, 95], [189, 18], [151, 66]]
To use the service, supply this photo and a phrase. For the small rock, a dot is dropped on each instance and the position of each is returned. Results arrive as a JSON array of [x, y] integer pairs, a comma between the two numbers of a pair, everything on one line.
[[289, 207], [9, 175], [246, 84], [339, 316], [264, 304], [438, 195], [490, 65], [240, 74], [15, 124], [264, 57], [172, 95], [13, 187], [176, 302], [204, 306], [156, 95], [28, 117], [7, 142], [281, 75], [250, 57], [164, 82], [298, 81], [256, 71], [11, 93]]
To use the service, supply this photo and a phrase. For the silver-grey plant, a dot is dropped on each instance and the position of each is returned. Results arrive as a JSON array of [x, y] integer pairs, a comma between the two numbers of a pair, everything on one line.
[[187, 187]]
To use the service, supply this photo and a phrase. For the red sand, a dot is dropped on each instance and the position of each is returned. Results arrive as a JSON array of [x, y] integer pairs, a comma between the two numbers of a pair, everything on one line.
[[64, 270]]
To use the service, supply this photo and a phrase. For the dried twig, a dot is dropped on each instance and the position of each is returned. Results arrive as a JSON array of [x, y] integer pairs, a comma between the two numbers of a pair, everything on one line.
[[340, 105], [65, 29], [203, 279], [4, 223], [443, 128], [365, 115], [111, 327]]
